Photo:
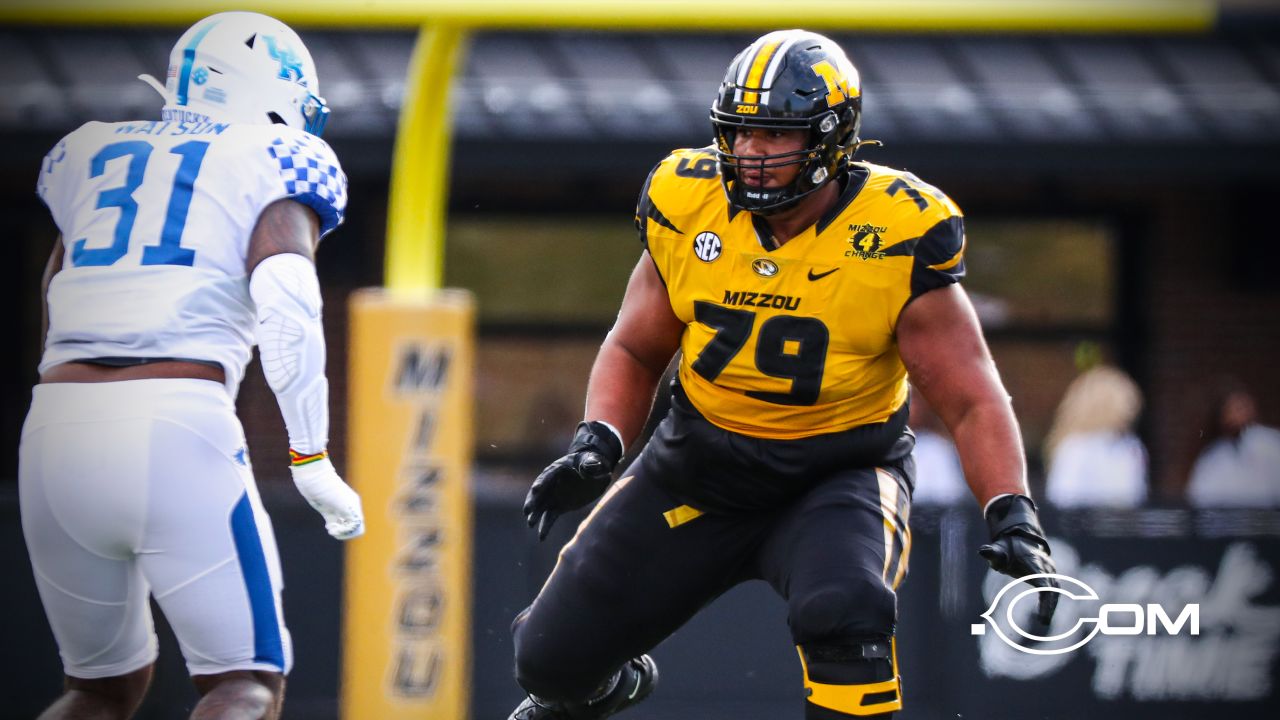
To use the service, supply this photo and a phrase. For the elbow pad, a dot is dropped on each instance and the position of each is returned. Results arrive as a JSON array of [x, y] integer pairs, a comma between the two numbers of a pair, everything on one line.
[[290, 337]]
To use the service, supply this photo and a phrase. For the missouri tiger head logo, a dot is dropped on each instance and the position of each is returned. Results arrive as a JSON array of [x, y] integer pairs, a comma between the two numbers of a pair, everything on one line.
[[764, 267]]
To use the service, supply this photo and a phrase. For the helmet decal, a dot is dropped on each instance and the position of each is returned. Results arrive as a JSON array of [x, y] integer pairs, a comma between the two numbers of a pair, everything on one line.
[[774, 65], [189, 59], [837, 83], [755, 72], [755, 78], [290, 63]]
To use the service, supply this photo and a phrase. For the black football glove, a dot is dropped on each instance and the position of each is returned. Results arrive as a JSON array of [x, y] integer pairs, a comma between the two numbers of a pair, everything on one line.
[[1018, 547], [575, 479]]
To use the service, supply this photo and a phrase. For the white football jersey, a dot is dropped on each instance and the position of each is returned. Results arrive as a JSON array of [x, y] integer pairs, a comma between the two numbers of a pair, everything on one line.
[[156, 219]]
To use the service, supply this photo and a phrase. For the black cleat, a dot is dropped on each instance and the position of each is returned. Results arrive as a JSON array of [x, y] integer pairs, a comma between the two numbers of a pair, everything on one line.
[[637, 680]]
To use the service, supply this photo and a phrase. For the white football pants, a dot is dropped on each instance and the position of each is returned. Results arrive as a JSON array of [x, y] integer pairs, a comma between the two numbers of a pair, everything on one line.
[[143, 488]]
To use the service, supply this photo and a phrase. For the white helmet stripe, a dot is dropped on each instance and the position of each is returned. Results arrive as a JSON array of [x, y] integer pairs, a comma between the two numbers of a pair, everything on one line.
[[743, 68], [188, 59], [774, 64]]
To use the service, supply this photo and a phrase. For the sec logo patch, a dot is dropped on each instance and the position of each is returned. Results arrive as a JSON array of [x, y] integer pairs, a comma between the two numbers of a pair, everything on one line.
[[706, 246]]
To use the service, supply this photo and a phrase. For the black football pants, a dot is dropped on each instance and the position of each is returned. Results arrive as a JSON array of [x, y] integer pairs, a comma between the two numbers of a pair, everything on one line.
[[643, 562]]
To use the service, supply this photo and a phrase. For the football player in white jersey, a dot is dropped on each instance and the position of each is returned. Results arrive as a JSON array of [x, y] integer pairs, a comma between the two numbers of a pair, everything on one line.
[[184, 241]]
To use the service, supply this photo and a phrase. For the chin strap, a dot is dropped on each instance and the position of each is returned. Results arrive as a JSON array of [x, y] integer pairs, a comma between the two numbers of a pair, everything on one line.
[[852, 150]]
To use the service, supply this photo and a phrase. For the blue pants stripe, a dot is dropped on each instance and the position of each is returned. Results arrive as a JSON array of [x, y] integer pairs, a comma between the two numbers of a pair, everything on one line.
[[267, 646]]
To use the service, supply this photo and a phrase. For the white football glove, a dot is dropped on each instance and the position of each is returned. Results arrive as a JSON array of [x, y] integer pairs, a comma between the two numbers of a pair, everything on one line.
[[325, 491]]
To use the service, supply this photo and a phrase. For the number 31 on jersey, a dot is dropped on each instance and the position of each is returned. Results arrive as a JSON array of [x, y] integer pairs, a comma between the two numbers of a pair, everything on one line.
[[169, 251]]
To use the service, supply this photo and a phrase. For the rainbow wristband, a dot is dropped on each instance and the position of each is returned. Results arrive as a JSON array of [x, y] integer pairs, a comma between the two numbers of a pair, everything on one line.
[[296, 458]]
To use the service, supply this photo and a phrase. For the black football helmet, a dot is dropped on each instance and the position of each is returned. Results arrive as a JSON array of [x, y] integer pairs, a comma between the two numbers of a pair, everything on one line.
[[788, 80]]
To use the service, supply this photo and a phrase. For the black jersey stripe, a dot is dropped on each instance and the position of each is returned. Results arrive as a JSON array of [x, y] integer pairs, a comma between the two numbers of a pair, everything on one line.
[[853, 182]]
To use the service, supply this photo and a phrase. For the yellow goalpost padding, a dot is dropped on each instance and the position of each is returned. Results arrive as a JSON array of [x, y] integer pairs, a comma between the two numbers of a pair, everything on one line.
[[407, 609]]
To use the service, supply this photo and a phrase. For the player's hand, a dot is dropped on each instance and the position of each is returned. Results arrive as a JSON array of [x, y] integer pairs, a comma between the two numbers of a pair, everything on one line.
[[575, 479], [1018, 548], [331, 497]]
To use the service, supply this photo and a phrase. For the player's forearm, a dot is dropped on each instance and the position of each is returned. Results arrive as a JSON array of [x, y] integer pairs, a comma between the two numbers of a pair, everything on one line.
[[621, 389], [292, 348], [990, 447]]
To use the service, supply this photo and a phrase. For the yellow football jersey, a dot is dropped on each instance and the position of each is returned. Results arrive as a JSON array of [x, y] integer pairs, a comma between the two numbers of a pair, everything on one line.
[[799, 340]]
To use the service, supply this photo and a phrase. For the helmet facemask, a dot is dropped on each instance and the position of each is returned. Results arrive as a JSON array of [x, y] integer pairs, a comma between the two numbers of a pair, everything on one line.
[[822, 159]]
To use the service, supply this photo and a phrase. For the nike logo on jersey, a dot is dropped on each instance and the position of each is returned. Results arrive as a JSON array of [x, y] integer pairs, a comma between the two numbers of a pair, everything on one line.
[[819, 276]]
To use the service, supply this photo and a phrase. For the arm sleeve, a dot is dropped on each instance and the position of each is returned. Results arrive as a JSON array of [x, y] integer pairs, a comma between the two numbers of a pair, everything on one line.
[[291, 345]]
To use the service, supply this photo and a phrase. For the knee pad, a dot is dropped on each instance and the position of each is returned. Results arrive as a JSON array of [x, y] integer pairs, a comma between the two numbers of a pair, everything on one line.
[[851, 680], [552, 666], [852, 607]]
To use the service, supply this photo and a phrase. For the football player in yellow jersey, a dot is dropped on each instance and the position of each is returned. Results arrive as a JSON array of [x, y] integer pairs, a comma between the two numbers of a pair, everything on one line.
[[802, 288]]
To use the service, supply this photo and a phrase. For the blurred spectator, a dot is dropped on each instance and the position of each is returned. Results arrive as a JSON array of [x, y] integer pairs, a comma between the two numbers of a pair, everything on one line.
[[1238, 464], [1093, 456], [939, 478]]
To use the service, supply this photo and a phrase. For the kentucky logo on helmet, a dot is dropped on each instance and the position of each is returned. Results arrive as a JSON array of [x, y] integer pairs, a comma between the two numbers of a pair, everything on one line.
[[290, 63]]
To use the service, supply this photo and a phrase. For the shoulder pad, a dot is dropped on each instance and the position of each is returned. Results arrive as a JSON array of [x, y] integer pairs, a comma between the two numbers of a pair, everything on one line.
[[680, 185], [906, 203], [49, 166], [53, 160], [51, 187], [908, 190], [306, 168]]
